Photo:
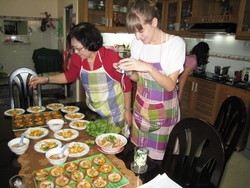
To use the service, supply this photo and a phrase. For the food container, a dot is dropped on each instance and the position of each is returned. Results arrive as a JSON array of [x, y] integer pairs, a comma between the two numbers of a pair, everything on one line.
[[245, 75], [15, 148], [55, 124], [56, 161], [111, 142], [221, 70]]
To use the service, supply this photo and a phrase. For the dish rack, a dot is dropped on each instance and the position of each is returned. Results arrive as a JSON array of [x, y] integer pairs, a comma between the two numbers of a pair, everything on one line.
[[213, 19]]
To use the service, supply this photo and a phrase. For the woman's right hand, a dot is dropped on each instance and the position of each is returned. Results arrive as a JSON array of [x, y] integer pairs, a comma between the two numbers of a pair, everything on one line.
[[37, 80], [131, 64]]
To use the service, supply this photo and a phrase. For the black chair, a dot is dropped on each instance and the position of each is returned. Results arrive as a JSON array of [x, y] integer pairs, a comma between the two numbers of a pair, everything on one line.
[[200, 157], [26, 96], [230, 122]]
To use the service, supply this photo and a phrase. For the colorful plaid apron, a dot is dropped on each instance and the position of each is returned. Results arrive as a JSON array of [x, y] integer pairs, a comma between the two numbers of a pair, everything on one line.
[[156, 111], [103, 94]]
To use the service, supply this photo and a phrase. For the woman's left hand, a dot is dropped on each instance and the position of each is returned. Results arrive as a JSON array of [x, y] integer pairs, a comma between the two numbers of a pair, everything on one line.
[[128, 118]]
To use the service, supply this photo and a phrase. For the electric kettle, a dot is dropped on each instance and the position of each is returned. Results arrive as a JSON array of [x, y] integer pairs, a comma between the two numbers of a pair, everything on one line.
[[245, 76]]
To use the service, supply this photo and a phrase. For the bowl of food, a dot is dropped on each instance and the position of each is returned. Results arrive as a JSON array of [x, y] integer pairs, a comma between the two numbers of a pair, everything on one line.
[[54, 158], [111, 142], [55, 124], [16, 148]]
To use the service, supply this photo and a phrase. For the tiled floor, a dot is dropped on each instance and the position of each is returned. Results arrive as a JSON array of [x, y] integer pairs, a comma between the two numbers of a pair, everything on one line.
[[237, 172]]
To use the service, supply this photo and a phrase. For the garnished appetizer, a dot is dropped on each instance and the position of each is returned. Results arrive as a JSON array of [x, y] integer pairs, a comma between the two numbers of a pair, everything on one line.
[[114, 177], [106, 168], [85, 163], [41, 175], [92, 172], [77, 175], [99, 160], [100, 182]]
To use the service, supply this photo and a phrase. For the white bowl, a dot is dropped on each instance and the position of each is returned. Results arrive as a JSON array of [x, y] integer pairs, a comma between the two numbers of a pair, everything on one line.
[[111, 146], [18, 149], [116, 8], [57, 161], [55, 124]]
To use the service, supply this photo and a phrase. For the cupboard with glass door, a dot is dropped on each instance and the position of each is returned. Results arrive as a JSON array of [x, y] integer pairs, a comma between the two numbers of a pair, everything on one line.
[[107, 15], [243, 27], [175, 16]]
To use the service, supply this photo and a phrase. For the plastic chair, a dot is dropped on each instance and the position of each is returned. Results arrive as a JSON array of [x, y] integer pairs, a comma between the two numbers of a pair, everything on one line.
[[230, 122], [195, 154], [27, 97]]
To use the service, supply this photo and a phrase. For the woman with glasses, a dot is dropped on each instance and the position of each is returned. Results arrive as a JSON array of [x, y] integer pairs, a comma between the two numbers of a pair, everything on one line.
[[108, 92], [197, 57], [156, 61]]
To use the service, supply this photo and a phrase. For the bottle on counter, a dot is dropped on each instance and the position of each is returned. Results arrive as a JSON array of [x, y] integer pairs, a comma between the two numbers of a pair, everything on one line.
[[115, 19]]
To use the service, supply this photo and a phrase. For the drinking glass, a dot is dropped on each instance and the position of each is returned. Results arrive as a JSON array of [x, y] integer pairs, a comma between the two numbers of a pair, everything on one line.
[[142, 139], [19, 181], [139, 165]]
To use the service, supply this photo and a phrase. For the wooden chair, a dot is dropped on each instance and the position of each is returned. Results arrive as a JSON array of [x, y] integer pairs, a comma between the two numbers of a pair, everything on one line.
[[195, 154], [230, 122], [27, 97]]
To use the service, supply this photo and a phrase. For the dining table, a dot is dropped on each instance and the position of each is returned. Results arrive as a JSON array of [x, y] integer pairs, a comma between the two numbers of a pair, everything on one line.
[[32, 160]]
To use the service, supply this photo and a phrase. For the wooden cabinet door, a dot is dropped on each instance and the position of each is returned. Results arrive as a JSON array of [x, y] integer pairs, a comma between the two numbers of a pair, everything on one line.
[[226, 91], [199, 99], [204, 105], [187, 98], [243, 27]]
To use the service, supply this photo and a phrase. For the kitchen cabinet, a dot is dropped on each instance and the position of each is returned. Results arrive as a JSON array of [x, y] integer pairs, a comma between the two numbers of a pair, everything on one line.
[[212, 12], [107, 15], [199, 99], [226, 91], [202, 99], [243, 27], [175, 15]]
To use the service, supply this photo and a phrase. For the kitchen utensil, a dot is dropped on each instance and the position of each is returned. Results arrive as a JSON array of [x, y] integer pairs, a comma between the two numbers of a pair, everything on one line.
[[21, 140], [220, 70], [245, 75], [63, 150], [202, 67]]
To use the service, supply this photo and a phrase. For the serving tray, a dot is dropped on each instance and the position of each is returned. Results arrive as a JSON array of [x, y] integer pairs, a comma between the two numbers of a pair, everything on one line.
[[121, 183], [34, 120]]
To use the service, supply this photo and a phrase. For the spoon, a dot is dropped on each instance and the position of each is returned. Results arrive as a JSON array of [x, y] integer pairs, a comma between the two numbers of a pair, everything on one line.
[[21, 140], [62, 152]]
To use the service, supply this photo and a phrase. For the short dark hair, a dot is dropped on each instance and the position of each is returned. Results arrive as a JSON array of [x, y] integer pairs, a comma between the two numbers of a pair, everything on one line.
[[88, 35]]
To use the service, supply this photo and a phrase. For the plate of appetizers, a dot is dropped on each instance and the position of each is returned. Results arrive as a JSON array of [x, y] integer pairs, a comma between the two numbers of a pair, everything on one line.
[[70, 109], [45, 145], [36, 133], [55, 106], [36, 109], [77, 149], [74, 116], [66, 134], [14, 111], [78, 124]]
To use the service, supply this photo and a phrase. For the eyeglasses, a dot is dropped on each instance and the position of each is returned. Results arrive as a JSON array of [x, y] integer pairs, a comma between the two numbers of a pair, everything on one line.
[[78, 49]]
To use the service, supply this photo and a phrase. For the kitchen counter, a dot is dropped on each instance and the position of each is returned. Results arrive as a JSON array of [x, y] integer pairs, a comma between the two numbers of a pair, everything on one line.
[[4, 81], [227, 81]]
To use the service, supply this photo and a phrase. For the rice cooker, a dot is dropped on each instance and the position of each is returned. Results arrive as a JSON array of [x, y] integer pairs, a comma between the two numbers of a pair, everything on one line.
[[245, 75]]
